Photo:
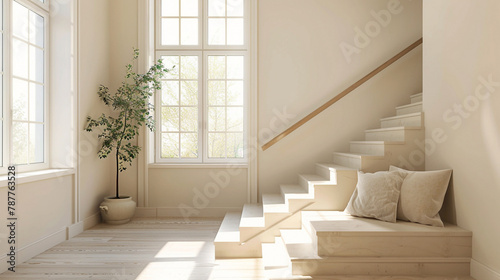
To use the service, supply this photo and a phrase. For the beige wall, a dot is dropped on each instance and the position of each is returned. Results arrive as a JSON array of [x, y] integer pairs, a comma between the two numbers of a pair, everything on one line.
[[95, 175], [461, 43], [302, 64]]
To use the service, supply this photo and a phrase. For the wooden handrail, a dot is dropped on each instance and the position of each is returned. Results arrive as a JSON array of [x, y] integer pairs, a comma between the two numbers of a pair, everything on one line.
[[340, 95]]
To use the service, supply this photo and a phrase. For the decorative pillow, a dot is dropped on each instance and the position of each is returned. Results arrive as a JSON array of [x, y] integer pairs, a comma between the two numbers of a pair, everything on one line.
[[376, 196], [422, 195]]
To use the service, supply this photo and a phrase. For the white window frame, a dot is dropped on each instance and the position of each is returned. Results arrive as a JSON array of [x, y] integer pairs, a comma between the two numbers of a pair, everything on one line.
[[158, 30], [158, 101], [41, 9], [205, 49], [246, 101]]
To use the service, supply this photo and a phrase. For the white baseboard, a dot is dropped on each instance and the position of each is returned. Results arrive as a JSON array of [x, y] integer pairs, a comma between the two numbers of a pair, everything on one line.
[[163, 212], [91, 221], [480, 271], [74, 229]]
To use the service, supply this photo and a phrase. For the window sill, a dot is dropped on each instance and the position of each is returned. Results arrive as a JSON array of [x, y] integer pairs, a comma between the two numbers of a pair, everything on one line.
[[198, 165], [33, 176]]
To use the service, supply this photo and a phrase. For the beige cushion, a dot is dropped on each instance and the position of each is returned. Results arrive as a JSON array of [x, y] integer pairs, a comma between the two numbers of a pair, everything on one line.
[[376, 196], [422, 195]]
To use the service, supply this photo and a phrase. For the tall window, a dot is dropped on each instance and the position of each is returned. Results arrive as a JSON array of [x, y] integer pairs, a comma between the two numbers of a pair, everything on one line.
[[25, 79], [202, 108]]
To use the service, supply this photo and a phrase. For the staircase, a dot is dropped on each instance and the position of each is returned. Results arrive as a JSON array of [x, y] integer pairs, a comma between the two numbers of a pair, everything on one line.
[[321, 242]]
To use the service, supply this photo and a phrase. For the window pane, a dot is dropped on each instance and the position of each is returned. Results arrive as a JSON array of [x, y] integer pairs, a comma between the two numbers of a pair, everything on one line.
[[20, 21], [235, 119], [189, 145], [216, 67], [189, 8], [36, 64], [216, 93], [216, 8], [189, 93], [170, 119], [20, 57], [235, 8], [170, 8], [170, 145], [235, 145], [235, 93], [36, 103], [216, 31], [216, 118], [189, 67], [189, 119], [170, 31], [235, 31], [189, 31], [235, 67], [36, 143], [36, 29], [169, 62], [19, 100], [170, 93], [20, 142], [216, 145]]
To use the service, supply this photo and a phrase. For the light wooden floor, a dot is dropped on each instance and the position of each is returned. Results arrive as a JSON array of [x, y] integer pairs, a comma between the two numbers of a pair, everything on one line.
[[149, 249]]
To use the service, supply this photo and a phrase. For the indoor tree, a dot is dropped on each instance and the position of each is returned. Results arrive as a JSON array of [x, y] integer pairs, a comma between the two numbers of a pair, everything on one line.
[[131, 109]]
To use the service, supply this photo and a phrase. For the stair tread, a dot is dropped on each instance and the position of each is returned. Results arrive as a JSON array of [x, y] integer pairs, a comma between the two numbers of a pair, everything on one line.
[[274, 203], [379, 142], [295, 236], [383, 259], [347, 225], [416, 95], [293, 189], [357, 155], [402, 116], [335, 166], [229, 230], [409, 105], [252, 216], [394, 128]]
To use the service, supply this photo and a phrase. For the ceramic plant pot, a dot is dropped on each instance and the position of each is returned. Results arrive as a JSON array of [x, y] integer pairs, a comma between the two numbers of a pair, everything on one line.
[[117, 211]]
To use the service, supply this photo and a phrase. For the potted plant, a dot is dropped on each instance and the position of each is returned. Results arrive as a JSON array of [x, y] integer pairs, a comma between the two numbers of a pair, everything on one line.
[[131, 110]]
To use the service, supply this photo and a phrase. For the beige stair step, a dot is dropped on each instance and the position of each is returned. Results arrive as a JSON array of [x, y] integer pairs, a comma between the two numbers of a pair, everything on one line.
[[417, 97], [355, 160], [275, 255], [382, 266], [295, 192], [409, 108], [413, 119], [393, 134], [376, 148], [308, 181], [227, 241], [252, 216], [331, 171], [298, 243], [274, 203]]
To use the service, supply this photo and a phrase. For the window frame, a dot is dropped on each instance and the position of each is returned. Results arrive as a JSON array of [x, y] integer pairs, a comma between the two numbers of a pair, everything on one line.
[[158, 101], [205, 50], [7, 97]]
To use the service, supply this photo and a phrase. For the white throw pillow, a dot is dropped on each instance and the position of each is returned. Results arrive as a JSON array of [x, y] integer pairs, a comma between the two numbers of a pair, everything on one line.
[[376, 196], [422, 195]]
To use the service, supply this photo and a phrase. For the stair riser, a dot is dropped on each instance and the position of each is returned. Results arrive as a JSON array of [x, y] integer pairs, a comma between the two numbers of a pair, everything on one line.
[[329, 198], [379, 267], [415, 99], [331, 245], [367, 148], [285, 221], [409, 109], [404, 121], [230, 250]]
